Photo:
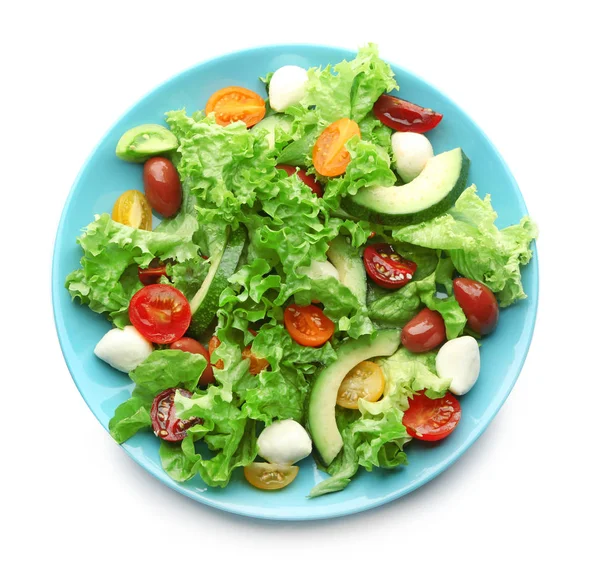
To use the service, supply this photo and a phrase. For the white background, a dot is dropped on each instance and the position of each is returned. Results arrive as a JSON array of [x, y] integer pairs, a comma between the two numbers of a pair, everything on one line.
[[523, 499]]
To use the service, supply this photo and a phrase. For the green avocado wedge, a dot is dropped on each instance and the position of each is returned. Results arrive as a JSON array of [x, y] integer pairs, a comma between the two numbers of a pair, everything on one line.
[[145, 141], [347, 260], [321, 406], [431, 193], [205, 302]]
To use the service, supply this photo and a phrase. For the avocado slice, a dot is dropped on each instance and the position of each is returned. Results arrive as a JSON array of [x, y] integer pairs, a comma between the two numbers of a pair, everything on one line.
[[347, 260], [431, 193], [321, 406], [223, 264], [145, 141]]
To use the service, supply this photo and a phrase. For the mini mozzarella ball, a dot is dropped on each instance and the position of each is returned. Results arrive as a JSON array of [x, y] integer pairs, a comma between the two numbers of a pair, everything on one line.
[[319, 270], [458, 359], [123, 349], [411, 153], [284, 442], [287, 87]]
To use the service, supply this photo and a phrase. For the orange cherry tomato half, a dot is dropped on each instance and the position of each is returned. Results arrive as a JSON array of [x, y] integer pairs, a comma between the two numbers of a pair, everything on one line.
[[267, 476], [308, 325], [330, 156], [160, 313], [365, 381], [257, 364], [431, 419], [233, 104], [212, 345], [132, 209], [189, 345]]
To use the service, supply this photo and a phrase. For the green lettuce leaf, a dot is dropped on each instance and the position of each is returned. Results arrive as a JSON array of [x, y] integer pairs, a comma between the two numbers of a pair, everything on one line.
[[369, 441], [477, 248], [104, 282], [162, 370], [222, 166], [225, 430], [369, 166], [349, 89]]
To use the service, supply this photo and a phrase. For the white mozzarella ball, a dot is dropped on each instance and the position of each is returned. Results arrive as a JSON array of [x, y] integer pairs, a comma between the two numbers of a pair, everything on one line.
[[319, 270], [287, 87], [459, 360], [411, 153], [284, 442], [123, 349]]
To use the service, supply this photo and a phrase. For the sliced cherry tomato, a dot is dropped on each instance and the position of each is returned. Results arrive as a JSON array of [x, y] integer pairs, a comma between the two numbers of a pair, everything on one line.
[[190, 345], [257, 364], [153, 273], [431, 419], [165, 423], [371, 235], [160, 313], [132, 209], [308, 325], [404, 116], [309, 180], [162, 186], [330, 156], [386, 267], [212, 345], [267, 476], [365, 381], [425, 331], [233, 104], [479, 304]]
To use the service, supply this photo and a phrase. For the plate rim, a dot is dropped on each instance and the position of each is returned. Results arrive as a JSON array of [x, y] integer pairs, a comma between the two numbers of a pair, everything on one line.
[[321, 512]]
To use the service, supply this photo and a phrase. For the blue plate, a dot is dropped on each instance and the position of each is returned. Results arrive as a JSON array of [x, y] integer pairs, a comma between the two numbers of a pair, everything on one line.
[[104, 177]]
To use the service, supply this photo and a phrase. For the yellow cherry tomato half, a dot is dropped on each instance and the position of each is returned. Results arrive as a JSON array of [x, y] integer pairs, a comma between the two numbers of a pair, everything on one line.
[[365, 381], [132, 209], [267, 476]]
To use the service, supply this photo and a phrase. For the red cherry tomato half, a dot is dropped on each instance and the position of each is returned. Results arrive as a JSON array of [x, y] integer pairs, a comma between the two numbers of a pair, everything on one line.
[[190, 345], [162, 186], [386, 267], [160, 313], [165, 423], [309, 180], [152, 274], [425, 331], [479, 304], [308, 325], [404, 116], [431, 419]]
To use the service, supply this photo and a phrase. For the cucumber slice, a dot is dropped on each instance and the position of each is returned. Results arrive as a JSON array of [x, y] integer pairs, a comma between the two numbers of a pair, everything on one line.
[[321, 406], [431, 193], [142, 142], [205, 302], [348, 262]]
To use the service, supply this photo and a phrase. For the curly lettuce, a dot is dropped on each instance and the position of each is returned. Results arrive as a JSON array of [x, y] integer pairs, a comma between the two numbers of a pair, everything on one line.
[[112, 252]]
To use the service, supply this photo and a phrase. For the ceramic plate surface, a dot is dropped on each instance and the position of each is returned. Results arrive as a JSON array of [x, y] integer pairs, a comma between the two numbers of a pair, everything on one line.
[[104, 177]]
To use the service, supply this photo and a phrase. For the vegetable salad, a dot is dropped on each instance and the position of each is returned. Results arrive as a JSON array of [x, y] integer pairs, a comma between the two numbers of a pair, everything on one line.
[[320, 283]]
